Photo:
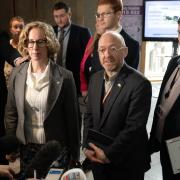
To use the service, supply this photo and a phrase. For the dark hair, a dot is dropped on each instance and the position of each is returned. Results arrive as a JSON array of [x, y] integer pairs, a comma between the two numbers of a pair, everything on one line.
[[117, 5], [62, 5], [178, 21]]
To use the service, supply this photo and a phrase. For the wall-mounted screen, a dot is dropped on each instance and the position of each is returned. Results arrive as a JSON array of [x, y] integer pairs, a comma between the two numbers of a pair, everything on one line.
[[160, 20]]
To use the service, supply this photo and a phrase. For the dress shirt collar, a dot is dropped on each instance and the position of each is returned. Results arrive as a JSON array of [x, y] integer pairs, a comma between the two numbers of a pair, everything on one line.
[[119, 29], [113, 75], [66, 28], [38, 80]]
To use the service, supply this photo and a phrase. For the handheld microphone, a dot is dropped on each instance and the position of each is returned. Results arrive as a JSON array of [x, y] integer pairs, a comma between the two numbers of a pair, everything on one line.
[[74, 174], [59, 166], [42, 160], [9, 144]]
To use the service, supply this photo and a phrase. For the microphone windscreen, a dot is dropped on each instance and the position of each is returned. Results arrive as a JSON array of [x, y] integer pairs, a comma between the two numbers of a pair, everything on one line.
[[74, 174], [44, 158], [9, 144]]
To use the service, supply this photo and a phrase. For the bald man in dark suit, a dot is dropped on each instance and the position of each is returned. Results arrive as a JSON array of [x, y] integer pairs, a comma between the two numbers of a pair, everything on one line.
[[119, 99]]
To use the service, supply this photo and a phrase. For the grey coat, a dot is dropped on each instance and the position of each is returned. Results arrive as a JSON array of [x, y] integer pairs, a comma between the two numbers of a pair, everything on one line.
[[61, 118]]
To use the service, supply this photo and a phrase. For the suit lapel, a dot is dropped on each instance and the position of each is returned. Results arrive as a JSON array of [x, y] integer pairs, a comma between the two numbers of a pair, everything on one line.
[[56, 80], [166, 78], [20, 82], [97, 95], [115, 92]]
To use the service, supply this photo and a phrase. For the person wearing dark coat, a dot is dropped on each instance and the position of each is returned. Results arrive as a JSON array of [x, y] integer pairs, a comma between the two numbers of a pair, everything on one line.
[[119, 99], [108, 16], [73, 41], [9, 54], [170, 118]]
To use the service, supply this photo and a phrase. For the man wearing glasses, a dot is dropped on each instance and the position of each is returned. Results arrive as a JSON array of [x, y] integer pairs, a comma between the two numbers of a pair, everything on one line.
[[108, 16], [109, 13], [119, 101]]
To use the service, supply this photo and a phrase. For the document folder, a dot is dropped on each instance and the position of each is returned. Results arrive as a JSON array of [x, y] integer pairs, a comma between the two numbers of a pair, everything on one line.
[[173, 146], [99, 139]]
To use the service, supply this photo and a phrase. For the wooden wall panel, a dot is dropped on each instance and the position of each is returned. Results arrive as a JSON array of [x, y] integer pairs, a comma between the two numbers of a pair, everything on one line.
[[6, 12], [82, 11], [25, 9], [44, 10], [89, 14]]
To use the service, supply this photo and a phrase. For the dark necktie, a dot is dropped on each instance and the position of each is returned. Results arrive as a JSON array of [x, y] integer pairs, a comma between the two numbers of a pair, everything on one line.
[[60, 54]]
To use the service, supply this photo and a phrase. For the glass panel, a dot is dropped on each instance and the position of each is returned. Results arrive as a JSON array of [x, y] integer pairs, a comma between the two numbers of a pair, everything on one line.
[[158, 55]]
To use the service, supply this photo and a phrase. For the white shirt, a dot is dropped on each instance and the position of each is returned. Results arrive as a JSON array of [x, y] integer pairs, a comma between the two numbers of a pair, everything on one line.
[[37, 86]]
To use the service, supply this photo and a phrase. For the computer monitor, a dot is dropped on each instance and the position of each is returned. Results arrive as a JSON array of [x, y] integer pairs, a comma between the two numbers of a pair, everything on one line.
[[160, 20]]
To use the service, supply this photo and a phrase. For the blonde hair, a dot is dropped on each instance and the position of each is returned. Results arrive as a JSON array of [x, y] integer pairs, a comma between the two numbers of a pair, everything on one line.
[[52, 42]]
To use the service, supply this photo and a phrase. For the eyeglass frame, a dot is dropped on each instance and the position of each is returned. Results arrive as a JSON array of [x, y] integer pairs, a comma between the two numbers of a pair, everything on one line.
[[111, 49], [40, 43], [104, 14]]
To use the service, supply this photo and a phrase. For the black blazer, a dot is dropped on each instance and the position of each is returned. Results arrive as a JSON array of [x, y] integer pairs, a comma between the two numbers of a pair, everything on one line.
[[61, 116], [172, 121], [124, 116], [9, 54], [132, 59], [78, 39]]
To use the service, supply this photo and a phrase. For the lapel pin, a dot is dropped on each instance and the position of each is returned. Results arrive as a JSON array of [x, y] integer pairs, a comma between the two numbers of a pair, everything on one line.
[[119, 85]]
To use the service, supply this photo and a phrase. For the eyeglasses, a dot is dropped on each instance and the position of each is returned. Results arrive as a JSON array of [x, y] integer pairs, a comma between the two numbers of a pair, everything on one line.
[[40, 43], [103, 15], [111, 50]]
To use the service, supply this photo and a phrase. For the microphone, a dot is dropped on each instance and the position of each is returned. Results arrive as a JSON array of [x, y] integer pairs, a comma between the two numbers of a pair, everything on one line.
[[59, 166], [42, 160], [9, 144], [62, 160], [74, 174]]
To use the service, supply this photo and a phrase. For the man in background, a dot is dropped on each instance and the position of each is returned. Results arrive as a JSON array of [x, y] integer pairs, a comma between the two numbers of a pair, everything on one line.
[[166, 121], [108, 16], [72, 38]]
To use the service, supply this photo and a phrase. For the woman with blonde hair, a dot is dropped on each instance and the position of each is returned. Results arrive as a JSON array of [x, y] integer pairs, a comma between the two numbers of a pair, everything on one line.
[[42, 101]]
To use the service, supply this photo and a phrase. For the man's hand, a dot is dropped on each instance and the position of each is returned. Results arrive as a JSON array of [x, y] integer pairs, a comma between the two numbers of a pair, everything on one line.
[[96, 154], [6, 171]]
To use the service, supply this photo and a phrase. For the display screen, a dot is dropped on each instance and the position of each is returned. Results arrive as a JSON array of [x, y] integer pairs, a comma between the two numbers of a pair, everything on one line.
[[160, 20]]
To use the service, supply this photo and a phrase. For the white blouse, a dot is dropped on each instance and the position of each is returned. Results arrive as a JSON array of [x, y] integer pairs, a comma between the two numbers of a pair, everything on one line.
[[37, 86]]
